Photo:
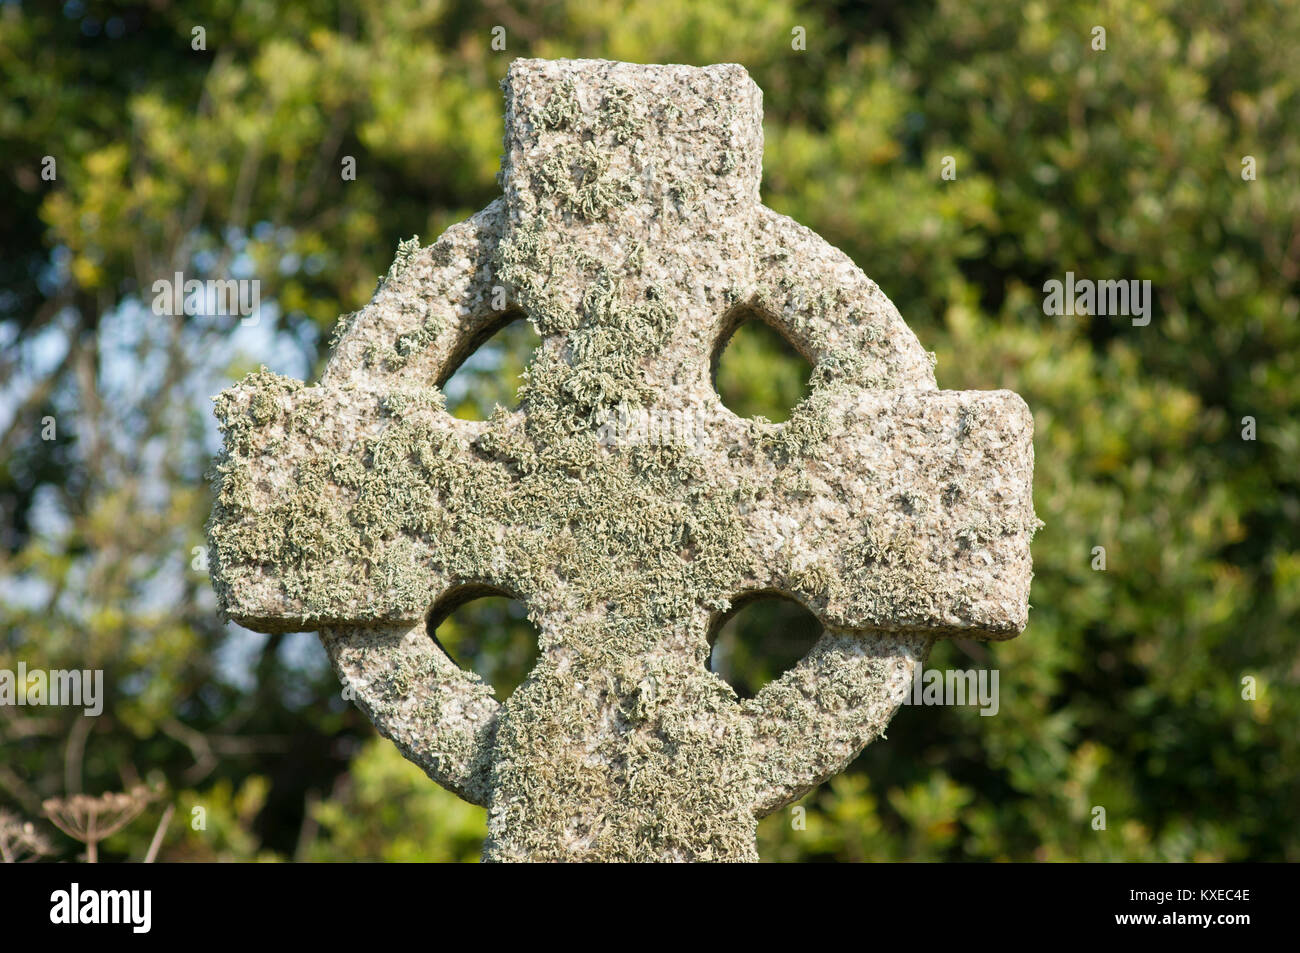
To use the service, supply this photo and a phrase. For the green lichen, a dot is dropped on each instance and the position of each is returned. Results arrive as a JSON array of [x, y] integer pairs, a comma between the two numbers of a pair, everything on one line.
[[583, 181], [340, 329], [807, 428], [621, 111], [684, 192], [415, 341], [406, 252], [562, 108]]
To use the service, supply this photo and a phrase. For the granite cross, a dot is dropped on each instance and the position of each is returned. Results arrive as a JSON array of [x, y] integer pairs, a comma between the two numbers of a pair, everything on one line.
[[631, 234]]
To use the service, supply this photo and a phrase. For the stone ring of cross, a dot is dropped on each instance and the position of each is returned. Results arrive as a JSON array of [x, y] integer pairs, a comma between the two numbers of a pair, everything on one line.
[[631, 234]]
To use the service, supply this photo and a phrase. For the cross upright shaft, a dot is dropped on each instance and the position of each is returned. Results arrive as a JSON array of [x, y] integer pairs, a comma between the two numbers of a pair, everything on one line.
[[632, 235]]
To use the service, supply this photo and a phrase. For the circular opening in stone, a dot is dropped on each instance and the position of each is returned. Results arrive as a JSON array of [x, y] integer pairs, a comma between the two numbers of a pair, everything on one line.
[[756, 370], [486, 372], [483, 630], [760, 637]]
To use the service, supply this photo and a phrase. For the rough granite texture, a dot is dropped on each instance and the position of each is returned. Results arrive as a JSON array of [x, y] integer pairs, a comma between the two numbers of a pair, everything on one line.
[[631, 234]]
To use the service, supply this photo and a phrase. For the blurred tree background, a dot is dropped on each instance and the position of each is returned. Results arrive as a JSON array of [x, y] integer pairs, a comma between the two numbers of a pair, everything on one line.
[[1125, 692]]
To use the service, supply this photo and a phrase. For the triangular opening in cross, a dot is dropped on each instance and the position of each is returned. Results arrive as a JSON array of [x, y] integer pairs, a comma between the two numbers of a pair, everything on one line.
[[757, 371], [487, 370], [760, 637], [483, 630]]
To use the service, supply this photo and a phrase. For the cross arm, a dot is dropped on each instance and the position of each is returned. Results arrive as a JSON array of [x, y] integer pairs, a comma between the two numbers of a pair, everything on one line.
[[907, 509], [907, 518], [332, 499], [325, 513]]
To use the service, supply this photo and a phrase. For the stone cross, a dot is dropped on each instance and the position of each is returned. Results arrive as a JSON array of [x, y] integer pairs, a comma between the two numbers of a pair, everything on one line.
[[632, 235]]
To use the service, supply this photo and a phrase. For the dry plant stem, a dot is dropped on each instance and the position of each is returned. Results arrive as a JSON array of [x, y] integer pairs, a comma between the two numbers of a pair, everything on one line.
[[159, 834]]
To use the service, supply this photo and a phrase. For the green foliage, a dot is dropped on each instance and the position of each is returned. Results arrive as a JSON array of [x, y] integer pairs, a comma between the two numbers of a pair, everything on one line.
[[761, 639], [491, 376], [760, 374], [1126, 690], [492, 637], [387, 810]]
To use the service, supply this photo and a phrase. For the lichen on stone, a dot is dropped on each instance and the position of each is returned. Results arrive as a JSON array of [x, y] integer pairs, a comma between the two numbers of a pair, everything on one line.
[[625, 235]]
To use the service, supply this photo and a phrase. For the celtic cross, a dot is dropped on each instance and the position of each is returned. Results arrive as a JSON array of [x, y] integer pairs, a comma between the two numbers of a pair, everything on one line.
[[631, 235]]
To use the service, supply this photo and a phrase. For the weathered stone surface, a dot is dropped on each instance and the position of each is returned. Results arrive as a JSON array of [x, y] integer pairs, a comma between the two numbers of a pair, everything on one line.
[[631, 234]]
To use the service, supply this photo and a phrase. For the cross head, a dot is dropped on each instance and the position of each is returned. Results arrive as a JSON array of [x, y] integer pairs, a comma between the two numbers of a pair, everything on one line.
[[631, 233]]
